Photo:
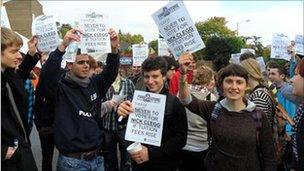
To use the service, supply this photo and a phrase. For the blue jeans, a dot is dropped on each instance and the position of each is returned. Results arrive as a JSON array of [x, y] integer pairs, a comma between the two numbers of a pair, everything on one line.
[[65, 163]]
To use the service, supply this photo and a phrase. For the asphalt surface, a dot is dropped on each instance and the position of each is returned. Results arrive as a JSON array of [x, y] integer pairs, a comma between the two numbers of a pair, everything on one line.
[[36, 148]]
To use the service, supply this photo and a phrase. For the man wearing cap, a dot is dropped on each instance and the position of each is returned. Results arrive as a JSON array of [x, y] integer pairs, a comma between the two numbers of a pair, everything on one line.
[[77, 131]]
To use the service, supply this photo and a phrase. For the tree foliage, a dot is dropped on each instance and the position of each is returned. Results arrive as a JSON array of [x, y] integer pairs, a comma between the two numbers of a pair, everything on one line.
[[214, 26], [128, 39], [63, 29], [154, 45]]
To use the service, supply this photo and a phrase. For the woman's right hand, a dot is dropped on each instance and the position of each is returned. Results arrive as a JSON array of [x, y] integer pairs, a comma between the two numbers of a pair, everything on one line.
[[184, 61]]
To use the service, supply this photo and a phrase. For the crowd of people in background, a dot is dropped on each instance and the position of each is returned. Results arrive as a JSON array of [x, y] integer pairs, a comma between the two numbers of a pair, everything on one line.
[[238, 118]]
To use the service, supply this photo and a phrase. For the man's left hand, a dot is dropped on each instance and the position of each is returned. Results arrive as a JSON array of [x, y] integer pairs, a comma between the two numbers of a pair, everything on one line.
[[115, 42], [141, 156]]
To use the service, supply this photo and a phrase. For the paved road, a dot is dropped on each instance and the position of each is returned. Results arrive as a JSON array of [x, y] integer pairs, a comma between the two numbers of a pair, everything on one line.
[[37, 150]]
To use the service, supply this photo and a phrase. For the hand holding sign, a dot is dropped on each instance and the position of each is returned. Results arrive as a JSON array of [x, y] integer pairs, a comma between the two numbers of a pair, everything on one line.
[[184, 61], [125, 108], [32, 45], [71, 35]]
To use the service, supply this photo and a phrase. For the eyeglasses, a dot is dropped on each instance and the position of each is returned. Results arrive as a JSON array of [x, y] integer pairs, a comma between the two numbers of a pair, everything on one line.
[[82, 62]]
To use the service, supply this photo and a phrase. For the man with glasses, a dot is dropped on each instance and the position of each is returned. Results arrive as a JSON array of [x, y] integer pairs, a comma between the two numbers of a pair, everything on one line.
[[77, 101]]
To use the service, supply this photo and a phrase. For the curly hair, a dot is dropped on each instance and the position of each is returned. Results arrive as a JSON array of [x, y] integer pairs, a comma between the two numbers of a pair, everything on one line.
[[203, 75], [155, 63]]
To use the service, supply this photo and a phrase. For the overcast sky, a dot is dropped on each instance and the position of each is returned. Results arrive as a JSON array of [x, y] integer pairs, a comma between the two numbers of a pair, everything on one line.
[[266, 17]]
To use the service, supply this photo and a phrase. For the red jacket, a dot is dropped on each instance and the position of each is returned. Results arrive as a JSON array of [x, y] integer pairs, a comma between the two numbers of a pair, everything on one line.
[[174, 82]]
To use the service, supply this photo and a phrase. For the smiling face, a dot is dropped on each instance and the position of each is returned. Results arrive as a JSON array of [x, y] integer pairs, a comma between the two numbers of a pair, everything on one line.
[[234, 87], [11, 57], [154, 80], [81, 67]]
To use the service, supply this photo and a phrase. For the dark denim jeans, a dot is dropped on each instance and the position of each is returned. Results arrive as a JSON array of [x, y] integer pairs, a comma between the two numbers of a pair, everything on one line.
[[65, 163], [111, 160]]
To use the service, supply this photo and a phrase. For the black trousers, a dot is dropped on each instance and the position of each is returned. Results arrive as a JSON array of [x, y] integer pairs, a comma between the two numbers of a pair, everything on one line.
[[47, 148], [112, 138], [193, 161]]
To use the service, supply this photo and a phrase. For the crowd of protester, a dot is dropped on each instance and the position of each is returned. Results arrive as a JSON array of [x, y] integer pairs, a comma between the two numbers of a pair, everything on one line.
[[238, 118]]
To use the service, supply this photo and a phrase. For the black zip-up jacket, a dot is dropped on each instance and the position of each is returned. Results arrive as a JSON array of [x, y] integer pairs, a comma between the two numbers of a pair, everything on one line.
[[174, 137], [76, 127]]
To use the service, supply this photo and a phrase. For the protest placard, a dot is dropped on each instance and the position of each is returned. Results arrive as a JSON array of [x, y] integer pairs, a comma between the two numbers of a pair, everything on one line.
[[261, 62], [4, 18], [145, 124], [95, 36], [163, 48], [244, 50], [177, 28], [235, 58], [45, 28], [279, 46], [140, 53], [299, 44]]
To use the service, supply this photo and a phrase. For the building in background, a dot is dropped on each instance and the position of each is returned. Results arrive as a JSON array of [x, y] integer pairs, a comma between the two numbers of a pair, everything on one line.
[[21, 14]]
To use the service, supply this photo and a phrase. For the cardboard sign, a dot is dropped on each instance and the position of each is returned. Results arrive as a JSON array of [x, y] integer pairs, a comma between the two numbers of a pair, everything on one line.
[[163, 48], [4, 18], [177, 28], [299, 44], [145, 125], [261, 62], [235, 58], [140, 53], [279, 46], [96, 37], [248, 50], [45, 28]]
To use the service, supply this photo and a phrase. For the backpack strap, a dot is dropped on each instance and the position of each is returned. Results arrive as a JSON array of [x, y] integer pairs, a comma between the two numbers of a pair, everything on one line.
[[214, 115], [257, 118]]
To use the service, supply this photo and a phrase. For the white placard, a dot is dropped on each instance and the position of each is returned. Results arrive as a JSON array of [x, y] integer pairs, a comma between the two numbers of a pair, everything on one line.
[[145, 125], [261, 62], [140, 53], [45, 28], [177, 28], [299, 44], [163, 48], [235, 58], [279, 46], [4, 18], [247, 50], [96, 37]]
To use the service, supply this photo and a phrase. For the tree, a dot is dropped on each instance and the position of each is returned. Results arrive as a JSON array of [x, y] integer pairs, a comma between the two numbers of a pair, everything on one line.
[[215, 26], [63, 29], [217, 50], [128, 39], [154, 45]]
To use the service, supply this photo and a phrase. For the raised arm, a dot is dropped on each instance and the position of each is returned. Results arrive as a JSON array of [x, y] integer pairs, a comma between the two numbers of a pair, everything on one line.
[[105, 79], [30, 60]]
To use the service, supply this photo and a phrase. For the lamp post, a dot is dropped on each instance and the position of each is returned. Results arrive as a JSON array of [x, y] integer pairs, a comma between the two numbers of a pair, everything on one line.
[[237, 26]]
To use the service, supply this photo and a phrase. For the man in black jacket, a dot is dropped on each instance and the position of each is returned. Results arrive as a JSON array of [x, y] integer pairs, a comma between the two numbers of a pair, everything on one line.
[[77, 102], [174, 135], [16, 153]]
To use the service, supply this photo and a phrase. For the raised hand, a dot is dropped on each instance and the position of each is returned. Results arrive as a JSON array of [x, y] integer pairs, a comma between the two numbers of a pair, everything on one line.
[[32, 45], [115, 41], [184, 61], [71, 35]]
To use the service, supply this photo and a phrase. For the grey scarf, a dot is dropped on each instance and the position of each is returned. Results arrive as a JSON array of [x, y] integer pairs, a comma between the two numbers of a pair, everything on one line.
[[83, 82]]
